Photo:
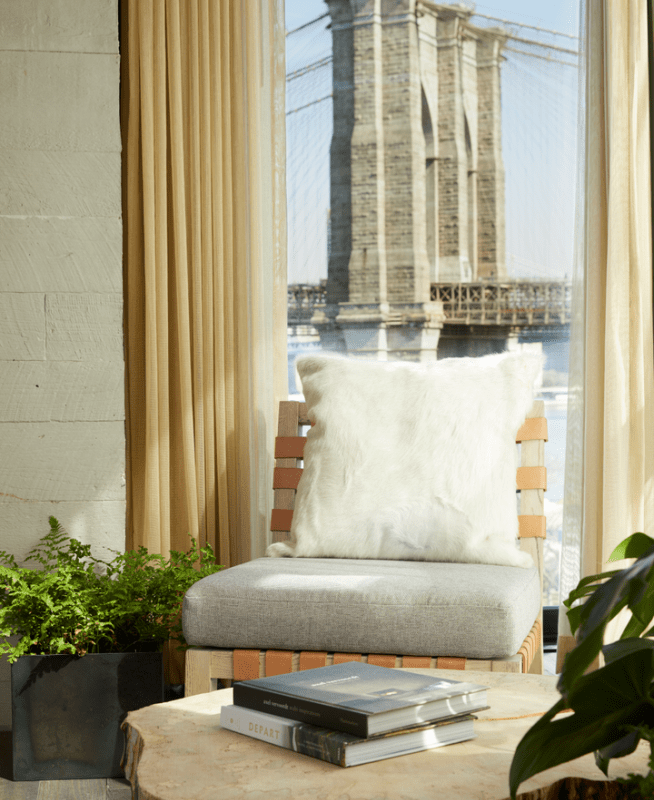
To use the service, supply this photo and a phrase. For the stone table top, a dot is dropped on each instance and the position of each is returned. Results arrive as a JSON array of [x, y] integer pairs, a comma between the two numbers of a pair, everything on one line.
[[178, 751]]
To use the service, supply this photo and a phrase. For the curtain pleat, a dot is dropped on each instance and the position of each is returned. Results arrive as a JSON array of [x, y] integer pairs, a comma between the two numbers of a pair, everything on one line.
[[219, 144], [162, 444], [205, 269], [241, 221], [134, 280], [611, 410]]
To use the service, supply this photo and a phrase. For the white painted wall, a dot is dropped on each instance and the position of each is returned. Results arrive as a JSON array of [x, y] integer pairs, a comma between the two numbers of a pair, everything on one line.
[[62, 416]]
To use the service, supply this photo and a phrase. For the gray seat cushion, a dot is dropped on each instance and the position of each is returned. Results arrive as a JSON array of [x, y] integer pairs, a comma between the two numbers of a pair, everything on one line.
[[364, 606]]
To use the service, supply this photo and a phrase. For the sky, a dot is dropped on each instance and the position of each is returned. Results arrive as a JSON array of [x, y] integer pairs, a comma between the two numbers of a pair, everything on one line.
[[539, 102], [559, 15]]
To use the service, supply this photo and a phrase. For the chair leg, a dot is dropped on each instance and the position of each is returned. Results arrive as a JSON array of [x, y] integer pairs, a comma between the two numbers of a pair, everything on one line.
[[198, 672], [536, 667]]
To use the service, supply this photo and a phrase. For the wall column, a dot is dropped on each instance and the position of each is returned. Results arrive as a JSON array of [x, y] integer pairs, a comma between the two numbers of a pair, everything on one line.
[[428, 49], [491, 216], [453, 261]]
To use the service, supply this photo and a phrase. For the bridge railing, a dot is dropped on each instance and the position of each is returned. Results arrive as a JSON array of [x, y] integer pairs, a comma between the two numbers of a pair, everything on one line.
[[507, 303], [520, 303], [302, 298]]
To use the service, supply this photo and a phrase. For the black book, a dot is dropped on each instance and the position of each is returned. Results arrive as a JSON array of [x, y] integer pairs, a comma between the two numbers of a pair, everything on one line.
[[361, 699]]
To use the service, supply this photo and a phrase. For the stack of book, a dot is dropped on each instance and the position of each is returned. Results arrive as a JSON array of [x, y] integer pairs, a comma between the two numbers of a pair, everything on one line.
[[354, 713]]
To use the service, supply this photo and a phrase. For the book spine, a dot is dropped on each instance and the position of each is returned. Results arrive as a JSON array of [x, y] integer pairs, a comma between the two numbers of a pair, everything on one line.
[[302, 710], [287, 733]]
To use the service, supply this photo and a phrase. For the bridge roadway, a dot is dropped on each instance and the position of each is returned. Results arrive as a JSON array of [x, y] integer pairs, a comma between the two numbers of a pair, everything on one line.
[[521, 304]]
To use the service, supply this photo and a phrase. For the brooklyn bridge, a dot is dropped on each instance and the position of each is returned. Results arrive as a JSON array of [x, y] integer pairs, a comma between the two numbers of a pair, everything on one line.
[[414, 232]]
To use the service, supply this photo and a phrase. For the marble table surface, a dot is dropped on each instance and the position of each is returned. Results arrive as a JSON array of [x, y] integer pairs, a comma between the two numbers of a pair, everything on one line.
[[178, 751]]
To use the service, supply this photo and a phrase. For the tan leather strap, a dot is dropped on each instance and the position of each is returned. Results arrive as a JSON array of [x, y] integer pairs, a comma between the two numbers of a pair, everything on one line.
[[381, 661], [532, 428], [531, 478], [246, 665], [417, 662], [450, 663], [309, 660], [286, 477], [280, 520], [279, 662], [532, 526], [341, 658], [290, 446]]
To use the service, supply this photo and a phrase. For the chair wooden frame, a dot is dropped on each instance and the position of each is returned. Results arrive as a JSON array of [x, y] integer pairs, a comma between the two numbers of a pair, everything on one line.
[[204, 666]]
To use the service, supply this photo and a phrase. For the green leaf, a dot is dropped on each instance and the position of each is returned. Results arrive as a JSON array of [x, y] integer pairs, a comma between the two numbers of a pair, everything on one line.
[[587, 586], [574, 618], [623, 681], [548, 743], [604, 702], [641, 604], [633, 546], [623, 747], [625, 647], [607, 600]]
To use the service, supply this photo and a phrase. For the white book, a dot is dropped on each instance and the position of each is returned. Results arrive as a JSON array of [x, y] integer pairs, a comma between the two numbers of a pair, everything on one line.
[[342, 748]]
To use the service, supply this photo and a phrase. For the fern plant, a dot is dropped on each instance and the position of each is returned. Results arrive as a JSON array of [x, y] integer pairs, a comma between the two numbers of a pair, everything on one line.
[[73, 602]]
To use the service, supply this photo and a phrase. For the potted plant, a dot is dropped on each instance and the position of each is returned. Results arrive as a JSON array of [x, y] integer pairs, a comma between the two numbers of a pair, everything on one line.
[[613, 706], [90, 635]]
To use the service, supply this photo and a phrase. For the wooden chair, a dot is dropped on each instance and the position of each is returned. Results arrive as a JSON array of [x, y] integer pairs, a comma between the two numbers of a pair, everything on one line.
[[204, 665]]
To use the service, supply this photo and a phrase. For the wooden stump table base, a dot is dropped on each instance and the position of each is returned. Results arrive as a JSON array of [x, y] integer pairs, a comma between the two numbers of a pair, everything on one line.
[[577, 789]]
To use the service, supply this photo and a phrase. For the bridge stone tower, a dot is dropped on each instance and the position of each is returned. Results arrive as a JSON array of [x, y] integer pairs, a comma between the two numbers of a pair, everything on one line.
[[417, 182]]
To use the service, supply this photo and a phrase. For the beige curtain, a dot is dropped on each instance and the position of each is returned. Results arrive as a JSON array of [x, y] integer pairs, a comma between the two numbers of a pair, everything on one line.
[[205, 269], [610, 464]]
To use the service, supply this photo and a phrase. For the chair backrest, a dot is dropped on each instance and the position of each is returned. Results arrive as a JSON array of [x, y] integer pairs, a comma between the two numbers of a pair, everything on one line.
[[531, 478]]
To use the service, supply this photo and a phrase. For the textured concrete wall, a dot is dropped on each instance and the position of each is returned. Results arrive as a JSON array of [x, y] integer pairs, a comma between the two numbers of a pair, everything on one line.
[[62, 432]]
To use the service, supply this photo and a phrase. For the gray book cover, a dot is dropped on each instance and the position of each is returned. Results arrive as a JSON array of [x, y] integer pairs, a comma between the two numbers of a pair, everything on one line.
[[360, 698]]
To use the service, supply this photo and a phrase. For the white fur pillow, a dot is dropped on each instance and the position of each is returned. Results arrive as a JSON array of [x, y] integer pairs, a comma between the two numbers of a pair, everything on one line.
[[412, 461]]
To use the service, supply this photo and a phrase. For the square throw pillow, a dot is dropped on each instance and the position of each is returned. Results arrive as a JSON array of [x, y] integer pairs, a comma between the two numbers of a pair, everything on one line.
[[412, 461]]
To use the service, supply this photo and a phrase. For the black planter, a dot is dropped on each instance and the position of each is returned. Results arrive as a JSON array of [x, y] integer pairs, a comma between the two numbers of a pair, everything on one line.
[[66, 712]]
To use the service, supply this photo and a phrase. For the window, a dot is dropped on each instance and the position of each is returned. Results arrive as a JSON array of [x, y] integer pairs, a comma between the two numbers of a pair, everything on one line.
[[513, 262]]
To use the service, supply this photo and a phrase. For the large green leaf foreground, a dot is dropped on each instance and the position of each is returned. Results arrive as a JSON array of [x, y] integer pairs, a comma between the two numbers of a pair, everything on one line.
[[613, 706]]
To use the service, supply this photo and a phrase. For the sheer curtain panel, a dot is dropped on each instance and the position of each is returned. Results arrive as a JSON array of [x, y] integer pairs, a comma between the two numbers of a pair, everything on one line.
[[610, 463], [205, 268]]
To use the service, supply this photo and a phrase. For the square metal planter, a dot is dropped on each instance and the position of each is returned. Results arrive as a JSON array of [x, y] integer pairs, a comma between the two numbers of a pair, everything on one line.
[[67, 711]]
